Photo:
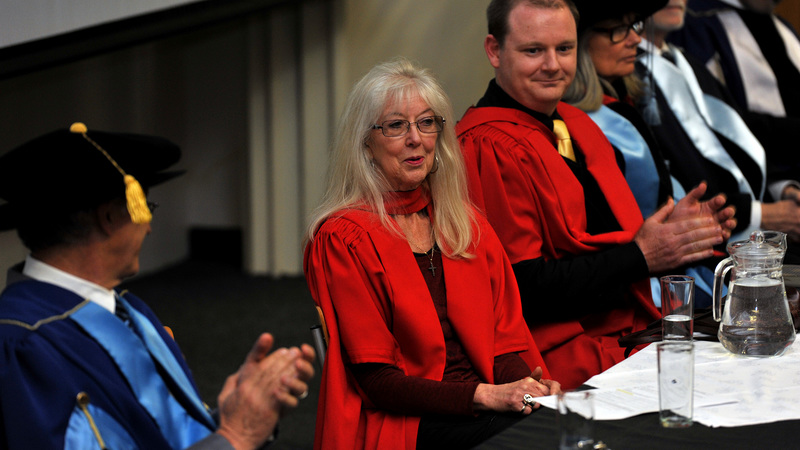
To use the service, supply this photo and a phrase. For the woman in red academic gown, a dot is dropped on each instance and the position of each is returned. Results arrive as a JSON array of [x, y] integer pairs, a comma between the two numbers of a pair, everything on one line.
[[427, 344]]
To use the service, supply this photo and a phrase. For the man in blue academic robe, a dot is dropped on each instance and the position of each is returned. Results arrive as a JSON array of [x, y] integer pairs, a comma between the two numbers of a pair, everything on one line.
[[83, 365]]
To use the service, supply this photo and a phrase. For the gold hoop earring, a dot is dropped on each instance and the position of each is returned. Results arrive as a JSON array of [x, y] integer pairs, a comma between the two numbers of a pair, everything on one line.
[[435, 165]]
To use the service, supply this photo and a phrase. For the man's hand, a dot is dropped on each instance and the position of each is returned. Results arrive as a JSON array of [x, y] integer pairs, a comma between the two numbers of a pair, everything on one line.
[[691, 206], [792, 193], [261, 391], [669, 242], [782, 216]]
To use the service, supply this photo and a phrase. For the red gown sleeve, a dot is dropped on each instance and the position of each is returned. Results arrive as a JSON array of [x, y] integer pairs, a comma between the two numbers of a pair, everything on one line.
[[346, 281], [350, 270]]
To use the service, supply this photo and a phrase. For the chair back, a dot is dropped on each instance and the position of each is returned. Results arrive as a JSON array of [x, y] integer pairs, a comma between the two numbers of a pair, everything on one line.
[[319, 334]]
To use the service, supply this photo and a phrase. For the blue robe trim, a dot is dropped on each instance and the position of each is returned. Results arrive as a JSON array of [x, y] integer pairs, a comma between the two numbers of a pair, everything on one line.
[[134, 360], [640, 169], [158, 349]]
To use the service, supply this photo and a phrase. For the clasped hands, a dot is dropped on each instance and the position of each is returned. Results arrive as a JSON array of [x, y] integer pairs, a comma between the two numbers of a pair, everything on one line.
[[265, 387], [509, 397], [685, 232]]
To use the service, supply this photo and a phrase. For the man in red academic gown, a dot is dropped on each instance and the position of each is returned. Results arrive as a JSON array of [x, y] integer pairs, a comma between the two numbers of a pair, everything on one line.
[[580, 250]]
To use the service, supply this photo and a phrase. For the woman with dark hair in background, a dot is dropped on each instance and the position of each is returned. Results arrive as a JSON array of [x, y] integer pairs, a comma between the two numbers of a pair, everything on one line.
[[606, 87]]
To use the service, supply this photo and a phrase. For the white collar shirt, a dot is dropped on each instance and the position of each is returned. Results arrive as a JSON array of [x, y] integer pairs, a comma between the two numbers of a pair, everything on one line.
[[46, 273]]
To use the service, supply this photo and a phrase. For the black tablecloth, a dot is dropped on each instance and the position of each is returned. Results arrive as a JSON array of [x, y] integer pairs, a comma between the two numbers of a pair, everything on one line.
[[539, 431]]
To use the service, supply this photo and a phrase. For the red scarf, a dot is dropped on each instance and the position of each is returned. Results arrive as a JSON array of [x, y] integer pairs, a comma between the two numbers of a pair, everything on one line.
[[407, 202]]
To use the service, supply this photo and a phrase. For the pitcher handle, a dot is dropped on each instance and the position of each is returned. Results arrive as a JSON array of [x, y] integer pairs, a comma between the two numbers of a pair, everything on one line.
[[722, 269]]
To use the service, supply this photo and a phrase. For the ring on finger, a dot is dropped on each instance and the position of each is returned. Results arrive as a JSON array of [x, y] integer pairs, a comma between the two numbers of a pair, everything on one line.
[[528, 399], [522, 411], [303, 395]]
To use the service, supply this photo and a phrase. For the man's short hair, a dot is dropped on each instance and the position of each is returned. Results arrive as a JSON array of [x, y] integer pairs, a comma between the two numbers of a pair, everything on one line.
[[499, 10], [60, 229], [51, 229]]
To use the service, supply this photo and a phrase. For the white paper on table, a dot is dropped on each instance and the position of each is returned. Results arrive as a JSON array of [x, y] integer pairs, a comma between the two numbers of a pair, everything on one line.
[[751, 409], [729, 390], [616, 403]]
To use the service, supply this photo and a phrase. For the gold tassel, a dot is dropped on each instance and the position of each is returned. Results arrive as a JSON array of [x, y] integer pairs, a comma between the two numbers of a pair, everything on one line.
[[134, 194], [137, 203]]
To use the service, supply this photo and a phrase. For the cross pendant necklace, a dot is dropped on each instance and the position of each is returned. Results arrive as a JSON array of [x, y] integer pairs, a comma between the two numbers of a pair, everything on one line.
[[432, 268], [415, 247]]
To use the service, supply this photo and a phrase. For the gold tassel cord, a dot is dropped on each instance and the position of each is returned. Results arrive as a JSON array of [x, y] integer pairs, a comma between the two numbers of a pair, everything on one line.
[[134, 194], [83, 402]]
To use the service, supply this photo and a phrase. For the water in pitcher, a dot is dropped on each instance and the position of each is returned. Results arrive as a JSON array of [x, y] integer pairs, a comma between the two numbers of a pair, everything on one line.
[[755, 319]]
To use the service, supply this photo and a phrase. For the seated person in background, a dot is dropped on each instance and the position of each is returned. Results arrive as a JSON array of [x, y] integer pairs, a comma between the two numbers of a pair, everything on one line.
[[428, 347], [756, 55], [580, 250], [82, 365], [606, 88], [705, 138]]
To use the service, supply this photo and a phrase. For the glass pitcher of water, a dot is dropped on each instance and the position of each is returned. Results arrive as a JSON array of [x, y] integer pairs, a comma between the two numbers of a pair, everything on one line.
[[756, 320]]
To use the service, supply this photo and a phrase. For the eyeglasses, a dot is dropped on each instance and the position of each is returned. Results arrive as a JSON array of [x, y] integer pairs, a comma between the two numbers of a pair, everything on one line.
[[396, 128], [152, 206], [620, 33]]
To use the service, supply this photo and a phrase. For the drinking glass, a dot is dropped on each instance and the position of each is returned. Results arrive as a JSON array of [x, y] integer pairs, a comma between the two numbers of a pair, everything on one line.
[[675, 383], [677, 307], [575, 415]]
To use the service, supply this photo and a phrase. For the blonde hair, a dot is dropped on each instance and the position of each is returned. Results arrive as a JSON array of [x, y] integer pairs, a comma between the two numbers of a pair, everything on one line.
[[587, 88], [352, 179]]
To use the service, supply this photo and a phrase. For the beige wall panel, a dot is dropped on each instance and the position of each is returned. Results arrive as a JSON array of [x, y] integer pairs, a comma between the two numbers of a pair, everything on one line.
[[444, 35], [317, 112]]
